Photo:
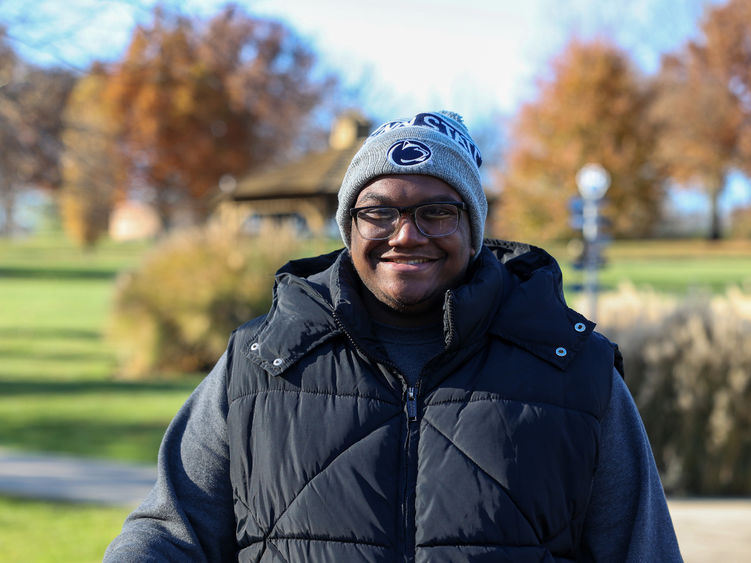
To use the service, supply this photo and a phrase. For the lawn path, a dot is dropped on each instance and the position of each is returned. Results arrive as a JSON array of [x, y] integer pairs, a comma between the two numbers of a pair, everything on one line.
[[55, 477]]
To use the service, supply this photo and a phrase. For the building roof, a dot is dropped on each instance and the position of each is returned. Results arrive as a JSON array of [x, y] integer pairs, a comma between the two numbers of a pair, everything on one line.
[[315, 174]]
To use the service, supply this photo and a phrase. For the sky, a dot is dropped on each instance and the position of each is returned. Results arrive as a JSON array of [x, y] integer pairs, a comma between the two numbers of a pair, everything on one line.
[[481, 58], [477, 57]]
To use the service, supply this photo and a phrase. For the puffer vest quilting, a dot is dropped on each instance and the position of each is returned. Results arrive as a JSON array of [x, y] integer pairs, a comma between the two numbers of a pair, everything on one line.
[[333, 458]]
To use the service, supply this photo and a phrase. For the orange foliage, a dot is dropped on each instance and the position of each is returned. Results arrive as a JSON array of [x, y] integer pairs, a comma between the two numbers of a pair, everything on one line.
[[89, 162], [704, 104], [593, 109], [198, 100]]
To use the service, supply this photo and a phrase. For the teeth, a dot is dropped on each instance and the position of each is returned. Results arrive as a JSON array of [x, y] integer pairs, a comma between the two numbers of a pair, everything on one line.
[[416, 261]]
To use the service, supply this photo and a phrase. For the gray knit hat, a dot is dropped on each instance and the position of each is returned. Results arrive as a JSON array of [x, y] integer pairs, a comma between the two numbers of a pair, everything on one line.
[[432, 144]]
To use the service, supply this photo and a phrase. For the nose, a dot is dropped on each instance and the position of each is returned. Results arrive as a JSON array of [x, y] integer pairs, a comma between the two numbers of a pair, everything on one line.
[[407, 232]]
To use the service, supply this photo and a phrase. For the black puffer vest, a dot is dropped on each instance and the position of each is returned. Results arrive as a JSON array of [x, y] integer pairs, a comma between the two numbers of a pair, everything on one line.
[[489, 458]]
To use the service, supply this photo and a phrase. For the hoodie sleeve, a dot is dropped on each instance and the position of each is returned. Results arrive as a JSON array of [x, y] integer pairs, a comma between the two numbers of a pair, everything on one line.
[[188, 515], [628, 518]]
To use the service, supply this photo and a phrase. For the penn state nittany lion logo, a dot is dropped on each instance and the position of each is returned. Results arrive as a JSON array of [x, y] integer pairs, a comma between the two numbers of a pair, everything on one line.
[[408, 152]]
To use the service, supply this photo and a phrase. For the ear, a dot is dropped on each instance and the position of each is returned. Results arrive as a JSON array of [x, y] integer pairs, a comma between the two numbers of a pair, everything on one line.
[[472, 252]]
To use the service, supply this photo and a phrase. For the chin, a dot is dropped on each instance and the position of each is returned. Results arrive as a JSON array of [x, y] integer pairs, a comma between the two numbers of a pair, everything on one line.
[[412, 305]]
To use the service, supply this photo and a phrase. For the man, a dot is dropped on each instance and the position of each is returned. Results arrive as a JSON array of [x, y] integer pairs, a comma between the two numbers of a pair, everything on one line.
[[418, 396]]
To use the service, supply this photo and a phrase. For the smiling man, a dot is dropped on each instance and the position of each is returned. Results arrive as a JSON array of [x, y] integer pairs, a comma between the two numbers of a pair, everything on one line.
[[411, 243], [421, 395]]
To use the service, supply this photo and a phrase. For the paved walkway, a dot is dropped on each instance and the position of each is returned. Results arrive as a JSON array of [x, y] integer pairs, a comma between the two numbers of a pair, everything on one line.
[[73, 479], [709, 530], [713, 530]]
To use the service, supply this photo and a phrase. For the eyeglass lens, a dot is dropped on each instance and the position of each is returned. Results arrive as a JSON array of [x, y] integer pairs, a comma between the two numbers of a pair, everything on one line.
[[432, 220]]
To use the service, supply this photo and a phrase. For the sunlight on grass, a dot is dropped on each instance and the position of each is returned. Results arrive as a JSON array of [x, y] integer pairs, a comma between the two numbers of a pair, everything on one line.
[[109, 420], [57, 390], [51, 532]]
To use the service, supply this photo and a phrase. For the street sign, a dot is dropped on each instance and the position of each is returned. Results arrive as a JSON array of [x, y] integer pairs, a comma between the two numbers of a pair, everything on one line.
[[593, 181]]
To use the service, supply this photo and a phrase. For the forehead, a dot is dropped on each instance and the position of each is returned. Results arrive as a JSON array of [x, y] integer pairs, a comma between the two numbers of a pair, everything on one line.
[[406, 189]]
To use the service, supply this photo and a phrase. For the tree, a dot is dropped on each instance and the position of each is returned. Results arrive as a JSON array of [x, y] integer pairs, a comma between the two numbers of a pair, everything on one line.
[[593, 108], [30, 124], [198, 100], [704, 105], [699, 128], [89, 162]]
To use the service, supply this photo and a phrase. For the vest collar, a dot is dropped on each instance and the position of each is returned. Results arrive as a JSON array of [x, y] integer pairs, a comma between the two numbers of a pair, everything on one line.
[[515, 293], [533, 314]]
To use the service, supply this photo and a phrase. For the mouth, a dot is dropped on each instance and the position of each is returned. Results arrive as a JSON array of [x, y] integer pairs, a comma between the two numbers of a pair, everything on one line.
[[408, 261], [407, 264]]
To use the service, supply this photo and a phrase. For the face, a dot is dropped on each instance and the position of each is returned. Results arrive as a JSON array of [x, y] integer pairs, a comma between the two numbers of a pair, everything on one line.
[[409, 272]]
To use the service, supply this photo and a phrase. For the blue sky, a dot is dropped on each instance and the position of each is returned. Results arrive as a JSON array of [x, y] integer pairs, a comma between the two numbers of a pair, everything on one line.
[[478, 57]]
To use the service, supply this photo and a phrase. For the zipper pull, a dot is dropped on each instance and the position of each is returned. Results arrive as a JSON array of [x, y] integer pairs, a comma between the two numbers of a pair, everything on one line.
[[412, 404]]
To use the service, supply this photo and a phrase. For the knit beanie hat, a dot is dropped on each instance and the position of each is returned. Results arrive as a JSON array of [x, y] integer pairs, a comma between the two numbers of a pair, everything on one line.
[[432, 144]]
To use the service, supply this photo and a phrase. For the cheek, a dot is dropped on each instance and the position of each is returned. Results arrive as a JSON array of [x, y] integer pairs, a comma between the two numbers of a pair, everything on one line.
[[359, 250]]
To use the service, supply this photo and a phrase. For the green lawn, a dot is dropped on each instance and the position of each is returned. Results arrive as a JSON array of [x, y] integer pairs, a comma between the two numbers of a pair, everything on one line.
[[58, 393], [57, 390], [677, 267], [56, 532]]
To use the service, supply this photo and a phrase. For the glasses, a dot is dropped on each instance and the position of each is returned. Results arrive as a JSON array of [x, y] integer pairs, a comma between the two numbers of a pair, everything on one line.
[[379, 222]]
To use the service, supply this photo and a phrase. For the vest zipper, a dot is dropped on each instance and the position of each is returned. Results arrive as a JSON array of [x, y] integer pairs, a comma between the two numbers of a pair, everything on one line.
[[410, 452], [412, 404]]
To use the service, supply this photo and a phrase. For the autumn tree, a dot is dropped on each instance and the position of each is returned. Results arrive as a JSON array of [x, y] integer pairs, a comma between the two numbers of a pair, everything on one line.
[[704, 105], [30, 125], [89, 161], [197, 100], [593, 108]]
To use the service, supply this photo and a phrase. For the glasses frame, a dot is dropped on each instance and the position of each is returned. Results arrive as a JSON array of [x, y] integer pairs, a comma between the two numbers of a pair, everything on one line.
[[411, 210]]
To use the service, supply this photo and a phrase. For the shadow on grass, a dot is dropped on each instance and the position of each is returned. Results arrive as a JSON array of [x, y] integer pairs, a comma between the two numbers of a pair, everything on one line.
[[49, 333], [47, 273], [127, 441], [68, 357], [11, 387]]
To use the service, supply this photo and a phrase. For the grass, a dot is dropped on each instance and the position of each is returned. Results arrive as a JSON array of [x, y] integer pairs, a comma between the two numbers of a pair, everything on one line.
[[54, 532], [669, 266], [57, 391]]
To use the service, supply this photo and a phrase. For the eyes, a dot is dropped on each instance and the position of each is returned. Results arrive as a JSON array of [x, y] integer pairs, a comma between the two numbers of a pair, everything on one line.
[[436, 219], [437, 212]]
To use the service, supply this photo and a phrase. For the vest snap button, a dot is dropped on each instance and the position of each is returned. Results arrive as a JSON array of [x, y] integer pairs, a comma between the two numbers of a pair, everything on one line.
[[277, 362], [255, 346], [580, 327], [561, 351]]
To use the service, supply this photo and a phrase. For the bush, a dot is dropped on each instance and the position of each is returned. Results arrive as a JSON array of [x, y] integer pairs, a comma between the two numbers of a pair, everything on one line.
[[740, 223], [688, 365], [176, 311]]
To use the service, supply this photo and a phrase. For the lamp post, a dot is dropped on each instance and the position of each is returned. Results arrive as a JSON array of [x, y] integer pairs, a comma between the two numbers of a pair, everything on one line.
[[593, 181]]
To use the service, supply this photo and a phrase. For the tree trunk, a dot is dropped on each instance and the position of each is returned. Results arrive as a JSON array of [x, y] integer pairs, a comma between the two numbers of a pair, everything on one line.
[[715, 226], [7, 226]]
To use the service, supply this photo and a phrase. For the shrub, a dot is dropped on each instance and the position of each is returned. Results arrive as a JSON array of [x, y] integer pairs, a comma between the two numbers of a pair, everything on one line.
[[688, 365], [176, 311], [740, 223]]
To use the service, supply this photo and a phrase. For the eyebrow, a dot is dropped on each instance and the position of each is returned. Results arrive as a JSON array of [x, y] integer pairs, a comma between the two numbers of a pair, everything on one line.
[[381, 199], [374, 198]]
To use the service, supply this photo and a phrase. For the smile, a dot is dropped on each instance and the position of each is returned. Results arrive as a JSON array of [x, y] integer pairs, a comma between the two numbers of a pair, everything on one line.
[[410, 261]]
